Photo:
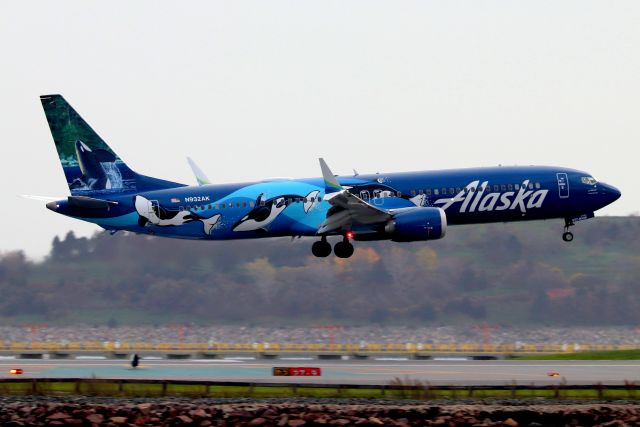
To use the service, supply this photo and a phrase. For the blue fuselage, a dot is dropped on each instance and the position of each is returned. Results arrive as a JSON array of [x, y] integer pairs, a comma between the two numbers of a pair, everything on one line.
[[297, 207]]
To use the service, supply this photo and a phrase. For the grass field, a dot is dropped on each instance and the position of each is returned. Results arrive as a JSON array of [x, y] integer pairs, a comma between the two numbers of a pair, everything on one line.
[[395, 390]]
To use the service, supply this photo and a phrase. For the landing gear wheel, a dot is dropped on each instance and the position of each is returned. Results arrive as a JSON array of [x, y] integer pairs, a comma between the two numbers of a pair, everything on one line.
[[567, 236], [321, 248], [343, 249]]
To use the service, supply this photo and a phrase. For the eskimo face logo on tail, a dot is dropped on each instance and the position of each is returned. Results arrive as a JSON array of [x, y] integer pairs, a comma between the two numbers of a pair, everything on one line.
[[475, 197], [98, 169], [151, 213], [266, 211]]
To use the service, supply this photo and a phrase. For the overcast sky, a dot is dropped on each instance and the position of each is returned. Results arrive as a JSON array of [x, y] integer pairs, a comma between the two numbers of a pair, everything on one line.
[[254, 89]]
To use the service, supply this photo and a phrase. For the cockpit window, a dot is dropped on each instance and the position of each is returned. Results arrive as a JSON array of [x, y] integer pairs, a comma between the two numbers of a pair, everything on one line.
[[589, 180]]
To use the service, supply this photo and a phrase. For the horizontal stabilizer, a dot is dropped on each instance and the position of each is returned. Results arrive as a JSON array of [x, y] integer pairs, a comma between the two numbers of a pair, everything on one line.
[[41, 198]]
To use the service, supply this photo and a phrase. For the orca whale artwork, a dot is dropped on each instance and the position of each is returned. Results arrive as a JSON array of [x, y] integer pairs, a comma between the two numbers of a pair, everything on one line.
[[89, 164], [401, 207]]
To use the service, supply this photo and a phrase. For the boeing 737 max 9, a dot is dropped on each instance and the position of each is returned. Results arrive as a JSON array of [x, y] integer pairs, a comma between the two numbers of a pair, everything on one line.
[[401, 207]]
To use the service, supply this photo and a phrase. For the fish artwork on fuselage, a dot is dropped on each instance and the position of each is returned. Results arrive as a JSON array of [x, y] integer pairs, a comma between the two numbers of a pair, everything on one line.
[[266, 211], [152, 213], [400, 207]]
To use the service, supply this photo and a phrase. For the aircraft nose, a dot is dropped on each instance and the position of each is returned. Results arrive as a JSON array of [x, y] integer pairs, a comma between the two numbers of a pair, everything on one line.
[[610, 192]]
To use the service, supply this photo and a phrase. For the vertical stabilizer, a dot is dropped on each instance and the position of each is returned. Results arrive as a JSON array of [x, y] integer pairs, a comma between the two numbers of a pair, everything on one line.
[[90, 166]]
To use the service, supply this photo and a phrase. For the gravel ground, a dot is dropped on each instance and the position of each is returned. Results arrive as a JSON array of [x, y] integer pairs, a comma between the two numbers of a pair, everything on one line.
[[112, 412]]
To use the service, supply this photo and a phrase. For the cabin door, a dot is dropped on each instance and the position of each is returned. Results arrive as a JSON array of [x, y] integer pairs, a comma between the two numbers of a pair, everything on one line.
[[563, 185], [154, 208]]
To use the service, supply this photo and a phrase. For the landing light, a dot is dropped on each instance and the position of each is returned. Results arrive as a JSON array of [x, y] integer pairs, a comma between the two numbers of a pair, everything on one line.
[[16, 371]]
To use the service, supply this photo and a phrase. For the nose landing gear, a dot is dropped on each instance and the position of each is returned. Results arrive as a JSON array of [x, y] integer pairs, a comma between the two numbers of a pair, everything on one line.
[[567, 236]]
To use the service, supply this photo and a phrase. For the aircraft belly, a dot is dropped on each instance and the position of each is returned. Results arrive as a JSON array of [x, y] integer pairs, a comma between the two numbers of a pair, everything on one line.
[[123, 221]]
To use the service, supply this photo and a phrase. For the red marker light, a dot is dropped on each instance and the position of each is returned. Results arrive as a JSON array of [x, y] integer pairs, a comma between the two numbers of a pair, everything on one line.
[[349, 235], [15, 371], [297, 372]]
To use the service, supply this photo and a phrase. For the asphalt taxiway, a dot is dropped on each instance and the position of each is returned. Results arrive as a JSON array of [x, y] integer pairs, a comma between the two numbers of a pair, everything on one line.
[[437, 372]]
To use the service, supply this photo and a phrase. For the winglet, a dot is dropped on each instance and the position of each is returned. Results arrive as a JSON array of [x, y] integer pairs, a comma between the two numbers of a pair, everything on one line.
[[200, 176], [330, 182]]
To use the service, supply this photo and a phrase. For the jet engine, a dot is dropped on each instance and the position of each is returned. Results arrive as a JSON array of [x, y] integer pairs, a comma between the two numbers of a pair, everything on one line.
[[417, 224]]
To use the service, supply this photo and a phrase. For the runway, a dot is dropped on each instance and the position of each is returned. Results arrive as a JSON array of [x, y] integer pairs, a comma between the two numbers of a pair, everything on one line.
[[437, 372]]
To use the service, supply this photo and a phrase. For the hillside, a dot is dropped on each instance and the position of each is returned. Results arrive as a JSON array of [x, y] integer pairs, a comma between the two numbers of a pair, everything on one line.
[[500, 273]]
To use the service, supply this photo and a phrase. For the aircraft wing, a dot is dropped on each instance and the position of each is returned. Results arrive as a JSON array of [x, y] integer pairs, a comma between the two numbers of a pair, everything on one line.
[[200, 176], [347, 209]]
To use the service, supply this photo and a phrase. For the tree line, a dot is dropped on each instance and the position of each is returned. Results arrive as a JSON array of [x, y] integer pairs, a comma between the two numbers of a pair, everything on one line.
[[497, 273]]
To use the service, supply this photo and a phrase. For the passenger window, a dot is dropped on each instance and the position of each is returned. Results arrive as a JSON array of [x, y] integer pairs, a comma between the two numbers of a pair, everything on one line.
[[237, 204], [496, 188], [188, 207], [435, 191], [530, 186], [216, 206], [319, 199], [458, 189], [537, 185], [472, 190], [503, 187], [413, 192], [244, 204], [516, 186], [181, 208], [251, 204], [262, 202], [451, 190], [222, 206], [428, 191], [510, 187]]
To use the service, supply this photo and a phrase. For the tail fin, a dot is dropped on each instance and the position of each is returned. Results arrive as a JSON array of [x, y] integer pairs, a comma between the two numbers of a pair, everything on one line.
[[90, 165]]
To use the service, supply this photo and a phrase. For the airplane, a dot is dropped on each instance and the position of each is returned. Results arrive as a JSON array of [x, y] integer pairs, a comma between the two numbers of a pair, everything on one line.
[[401, 207]]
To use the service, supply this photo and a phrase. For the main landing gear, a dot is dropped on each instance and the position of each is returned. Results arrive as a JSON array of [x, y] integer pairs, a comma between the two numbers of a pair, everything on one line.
[[567, 236], [321, 248], [342, 249]]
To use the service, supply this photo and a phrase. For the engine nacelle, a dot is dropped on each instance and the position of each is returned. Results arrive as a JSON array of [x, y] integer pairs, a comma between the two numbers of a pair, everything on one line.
[[417, 224]]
